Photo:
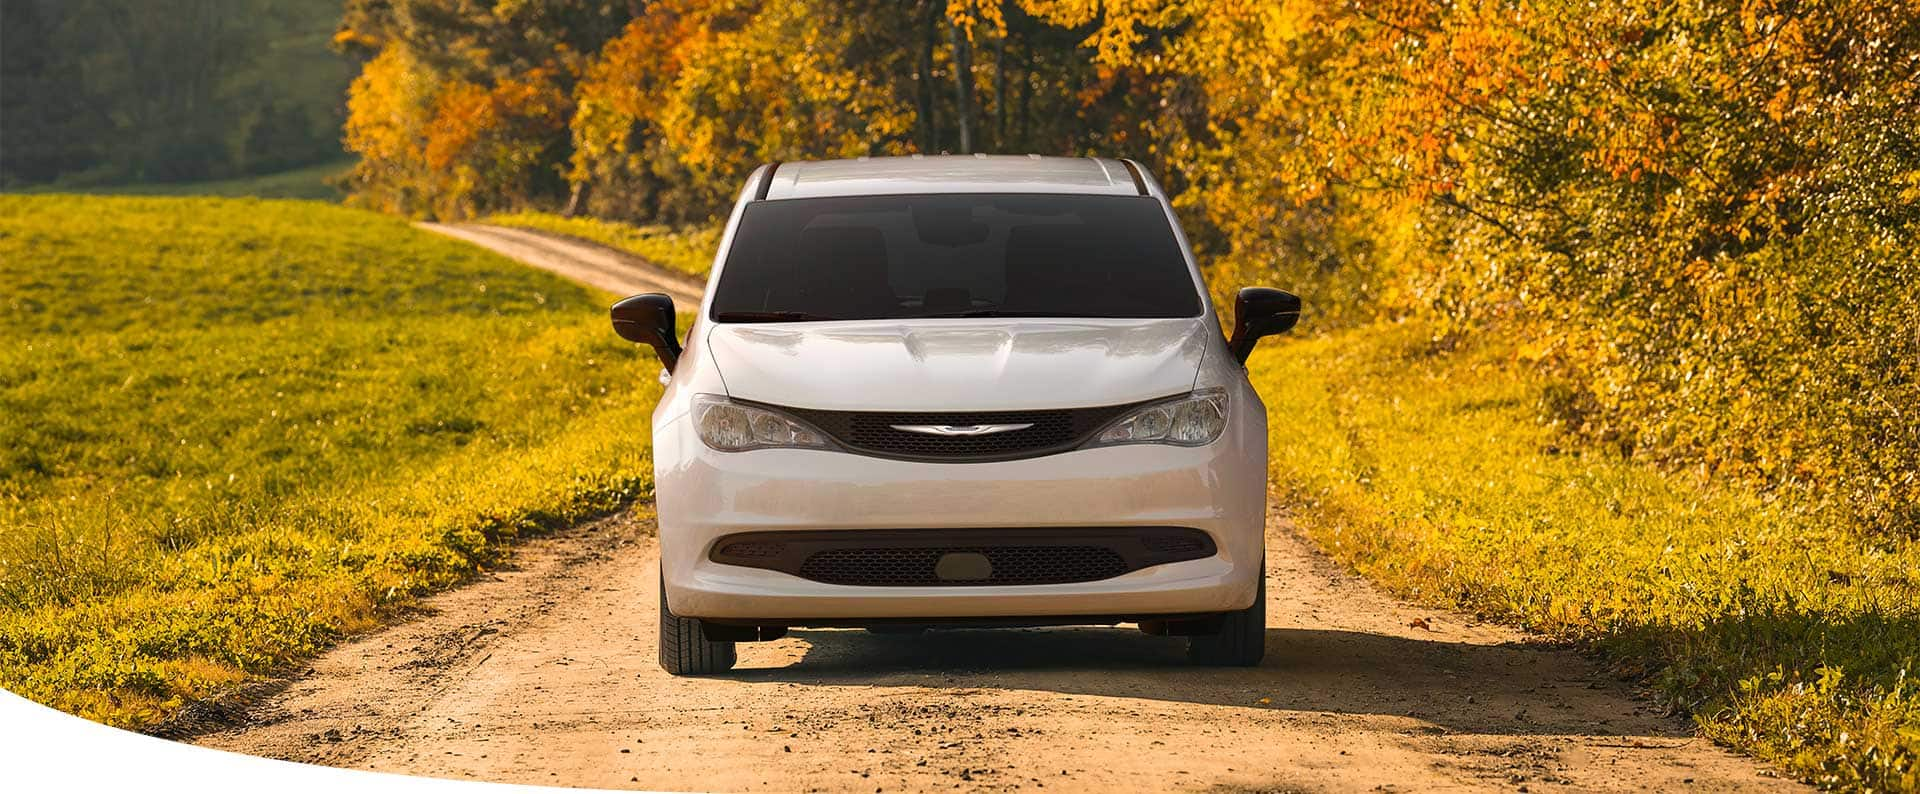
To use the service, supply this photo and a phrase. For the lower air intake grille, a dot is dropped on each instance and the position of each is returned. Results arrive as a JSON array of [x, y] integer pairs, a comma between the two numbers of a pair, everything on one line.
[[960, 557], [1009, 565]]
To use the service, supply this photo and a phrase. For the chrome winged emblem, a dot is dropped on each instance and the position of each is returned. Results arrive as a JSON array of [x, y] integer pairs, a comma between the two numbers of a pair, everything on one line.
[[962, 430]]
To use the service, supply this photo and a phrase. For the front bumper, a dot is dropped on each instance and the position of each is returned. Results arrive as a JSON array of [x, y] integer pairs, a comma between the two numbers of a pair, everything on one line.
[[703, 495]]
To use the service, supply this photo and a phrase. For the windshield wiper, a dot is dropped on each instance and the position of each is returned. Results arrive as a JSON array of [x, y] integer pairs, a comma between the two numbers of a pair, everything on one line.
[[995, 313], [800, 317], [770, 317]]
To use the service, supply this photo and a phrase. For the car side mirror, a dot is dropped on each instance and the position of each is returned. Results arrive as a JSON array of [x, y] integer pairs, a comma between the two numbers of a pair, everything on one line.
[[649, 320], [1258, 312]]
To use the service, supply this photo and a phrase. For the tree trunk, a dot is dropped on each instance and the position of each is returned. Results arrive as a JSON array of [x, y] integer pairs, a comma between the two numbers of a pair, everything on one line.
[[1000, 95], [963, 85], [577, 200], [929, 121], [1025, 127]]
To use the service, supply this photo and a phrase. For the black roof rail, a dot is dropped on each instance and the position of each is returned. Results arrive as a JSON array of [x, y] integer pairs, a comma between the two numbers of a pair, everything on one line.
[[760, 193], [1139, 182]]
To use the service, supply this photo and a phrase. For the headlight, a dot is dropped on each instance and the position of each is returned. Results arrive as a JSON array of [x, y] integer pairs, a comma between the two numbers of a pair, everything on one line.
[[731, 427], [1189, 421]]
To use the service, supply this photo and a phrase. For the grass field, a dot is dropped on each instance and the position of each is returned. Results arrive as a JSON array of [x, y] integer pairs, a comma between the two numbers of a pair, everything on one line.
[[688, 250], [301, 183], [235, 430], [1785, 635]]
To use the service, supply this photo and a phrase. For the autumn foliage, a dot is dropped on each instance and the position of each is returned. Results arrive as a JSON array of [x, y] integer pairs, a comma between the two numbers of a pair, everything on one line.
[[1695, 222], [1701, 216]]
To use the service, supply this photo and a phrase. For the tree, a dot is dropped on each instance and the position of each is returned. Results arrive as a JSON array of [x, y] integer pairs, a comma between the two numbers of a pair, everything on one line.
[[117, 90], [468, 107], [44, 120]]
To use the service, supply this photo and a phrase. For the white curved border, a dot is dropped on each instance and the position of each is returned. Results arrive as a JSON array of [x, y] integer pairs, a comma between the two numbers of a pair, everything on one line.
[[43, 750]]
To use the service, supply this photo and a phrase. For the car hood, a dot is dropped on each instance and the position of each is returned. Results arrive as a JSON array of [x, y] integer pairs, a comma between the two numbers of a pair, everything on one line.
[[958, 365]]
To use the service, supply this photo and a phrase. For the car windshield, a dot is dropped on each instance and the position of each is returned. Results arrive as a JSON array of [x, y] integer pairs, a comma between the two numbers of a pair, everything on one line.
[[955, 255]]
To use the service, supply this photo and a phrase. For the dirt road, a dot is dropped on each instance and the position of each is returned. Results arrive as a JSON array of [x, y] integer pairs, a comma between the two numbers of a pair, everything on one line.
[[589, 263], [545, 674]]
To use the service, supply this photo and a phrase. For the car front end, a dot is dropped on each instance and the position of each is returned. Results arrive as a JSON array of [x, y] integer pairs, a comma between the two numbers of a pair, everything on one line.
[[957, 391], [857, 525]]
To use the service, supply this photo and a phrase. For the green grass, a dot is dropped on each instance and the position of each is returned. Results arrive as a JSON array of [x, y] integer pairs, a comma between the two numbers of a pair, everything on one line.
[[301, 183], [1783, 633], [235, 430], [688, 250]]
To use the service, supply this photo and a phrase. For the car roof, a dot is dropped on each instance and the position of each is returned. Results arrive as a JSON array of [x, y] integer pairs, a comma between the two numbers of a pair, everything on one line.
[[978, 173]]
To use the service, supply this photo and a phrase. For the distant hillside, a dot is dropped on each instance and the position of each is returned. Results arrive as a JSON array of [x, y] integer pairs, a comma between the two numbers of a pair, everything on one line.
[[105, 92]]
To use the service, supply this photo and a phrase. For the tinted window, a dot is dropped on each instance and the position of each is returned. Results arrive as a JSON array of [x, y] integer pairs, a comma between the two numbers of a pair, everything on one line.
[[889, 257]]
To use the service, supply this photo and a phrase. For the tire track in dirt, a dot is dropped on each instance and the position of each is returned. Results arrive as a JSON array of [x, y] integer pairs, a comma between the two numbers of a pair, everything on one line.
[[544, 673], [589, 263]]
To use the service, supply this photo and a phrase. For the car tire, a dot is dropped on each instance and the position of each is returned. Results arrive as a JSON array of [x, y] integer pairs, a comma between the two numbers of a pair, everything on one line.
[[1242, 640], [684, 650]]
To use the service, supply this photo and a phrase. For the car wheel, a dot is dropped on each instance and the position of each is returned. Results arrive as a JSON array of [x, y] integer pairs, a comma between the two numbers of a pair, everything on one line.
[[1242, 640], [684, 650]]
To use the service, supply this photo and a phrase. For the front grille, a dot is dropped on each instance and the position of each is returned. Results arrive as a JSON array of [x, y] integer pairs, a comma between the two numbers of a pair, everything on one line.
[[914, 557], [873, 433]]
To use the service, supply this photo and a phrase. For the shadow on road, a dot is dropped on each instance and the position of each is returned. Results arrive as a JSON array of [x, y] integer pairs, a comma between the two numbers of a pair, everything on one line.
[[1509, 689]]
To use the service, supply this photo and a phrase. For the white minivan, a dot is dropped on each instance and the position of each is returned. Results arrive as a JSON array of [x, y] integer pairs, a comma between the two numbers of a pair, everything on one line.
[[957, 391]]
